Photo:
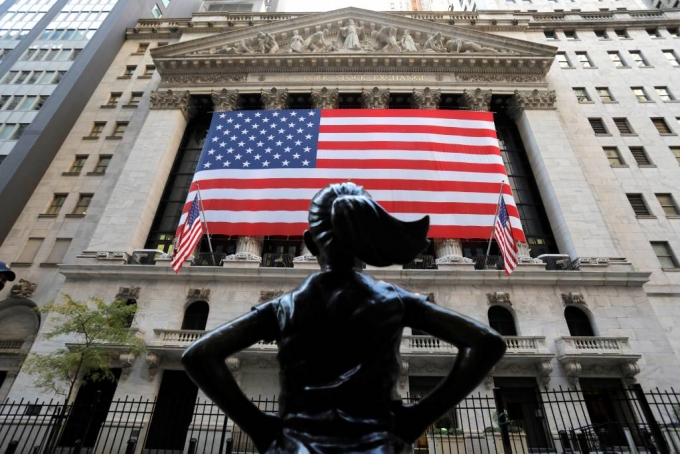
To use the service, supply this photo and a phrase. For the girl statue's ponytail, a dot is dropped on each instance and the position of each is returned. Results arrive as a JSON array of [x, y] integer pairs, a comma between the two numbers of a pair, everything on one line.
[[344, 220]]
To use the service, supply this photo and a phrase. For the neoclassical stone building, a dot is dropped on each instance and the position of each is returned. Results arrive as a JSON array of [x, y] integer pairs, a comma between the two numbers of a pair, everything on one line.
[[587, 119]]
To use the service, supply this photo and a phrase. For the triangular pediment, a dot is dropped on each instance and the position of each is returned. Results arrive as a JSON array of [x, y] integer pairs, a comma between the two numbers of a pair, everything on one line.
[[352, 36]]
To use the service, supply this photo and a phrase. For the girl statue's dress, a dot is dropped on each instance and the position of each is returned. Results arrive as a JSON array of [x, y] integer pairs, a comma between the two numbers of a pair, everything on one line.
[[351, 35], [338, 335]]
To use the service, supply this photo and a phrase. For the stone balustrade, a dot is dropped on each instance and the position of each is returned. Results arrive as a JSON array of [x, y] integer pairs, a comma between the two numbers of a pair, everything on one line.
[[10, 345], [588, 345], [526, 344]]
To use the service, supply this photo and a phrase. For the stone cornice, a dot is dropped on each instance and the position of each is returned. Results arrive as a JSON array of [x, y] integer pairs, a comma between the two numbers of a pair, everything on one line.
[[403, 277], [169, 100]]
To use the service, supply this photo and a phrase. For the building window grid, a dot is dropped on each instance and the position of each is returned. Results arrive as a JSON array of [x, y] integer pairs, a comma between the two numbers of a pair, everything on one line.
[[653, 32], [664, 94], [640, 156], [563, 60], [82, 204], [668, 205], [638, 58], [623, 126], [604, 94], [129, 70], [97, 129], [601, 34], [56, 204], [675, 151], [149, 70], [19, 131], [550, 35], [661, 125], [671, 57], [615, 57], [665, 255], [570, 35], [621, 33], [613, 156], [113, 99], [581, 94], [135, 98], [78, 164], [638, 204], [119, 129], [598, 125], [102, 164], [584, 59], [640, 94]]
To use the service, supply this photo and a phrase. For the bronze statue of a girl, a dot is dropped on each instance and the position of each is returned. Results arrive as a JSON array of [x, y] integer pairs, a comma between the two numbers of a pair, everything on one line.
[[338, 336]]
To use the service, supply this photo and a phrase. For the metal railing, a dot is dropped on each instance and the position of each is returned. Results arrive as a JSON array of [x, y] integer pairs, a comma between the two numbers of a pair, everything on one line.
[[422, 262], [208, 259], [488, 262], [558, 421], [277, 260]]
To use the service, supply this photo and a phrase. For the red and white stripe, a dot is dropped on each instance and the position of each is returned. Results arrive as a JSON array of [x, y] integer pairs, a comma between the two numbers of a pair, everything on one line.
[[507, 245], [413, 162], [186, 243]]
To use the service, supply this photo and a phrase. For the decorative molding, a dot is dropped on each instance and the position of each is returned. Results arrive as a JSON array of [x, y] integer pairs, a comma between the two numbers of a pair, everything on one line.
[[403, 373], [426, 99], [268, 295], [169, 100], [629, 371], [477, 101], [126, 360], [573, 370], [499, 298], [248, 248], [573, 299], [274, 99], [234, 364], [128, 293], [449, 250], [325, 98], [225, 99], [199, 294], [491, 78], [430, 298], [260, 365], [153, 362], [376, 98], [429, 369], [544, 369], [530, 100], [24, 289], [202, 79]]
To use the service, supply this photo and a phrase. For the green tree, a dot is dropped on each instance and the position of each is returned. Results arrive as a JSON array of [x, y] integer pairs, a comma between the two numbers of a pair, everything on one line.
[[94, 328]]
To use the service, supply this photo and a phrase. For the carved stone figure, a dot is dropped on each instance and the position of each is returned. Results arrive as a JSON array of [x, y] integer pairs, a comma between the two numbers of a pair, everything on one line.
[[338, 336], [386, 38], [24, 289], [316, 41], [459, 46], [350, 33], [434, 43], [242, 47], [297, 44], [266, 44], [407, 42]]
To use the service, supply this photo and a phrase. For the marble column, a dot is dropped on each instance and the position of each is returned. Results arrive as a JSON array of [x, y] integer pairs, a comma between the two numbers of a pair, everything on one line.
[[477, 100], [130, 210], [376, 98], [559, 176]]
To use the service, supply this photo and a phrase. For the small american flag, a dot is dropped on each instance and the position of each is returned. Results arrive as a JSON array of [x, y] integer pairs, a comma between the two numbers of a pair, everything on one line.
[[260, 168], [189, 235], [503, 234]]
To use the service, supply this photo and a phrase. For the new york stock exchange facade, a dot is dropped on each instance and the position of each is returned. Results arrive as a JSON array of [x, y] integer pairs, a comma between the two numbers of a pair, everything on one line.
[[575, 312]]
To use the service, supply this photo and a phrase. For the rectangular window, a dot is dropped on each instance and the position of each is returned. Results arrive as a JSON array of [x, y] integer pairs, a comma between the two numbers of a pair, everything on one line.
[[83, 202], [604, 94], [135, 98], [663, 93], [64, 55], [550, 35], [120, 128], [9, 77], [60, 75], [640, 94], [46, 77], [40, 55], [166, 3], [28, 54], [653, 32], [129, 71], [640, 156], [156, 12], [621, 33], [637, 202], [113, 99], [56, 204], [623, 126], [676, 152], [69, 34], [661, 125], [616, 59], [665, 255], [584, 60], [102, 164], [97, 129], [13, 103], [73, 55], [4, 99], [149, 69], [668, 204], [613, 156], [570, 35], [30, 250], [26, 103], [58, 251], [601, 34], [23, 75], [142, 48], [35, 75], [598, 125], [638, 58], [46, 34], [673, 31], [562, 60], [671, 57], [78, 164], [7, 130], [57, 34], [581, 94], [19, 131]]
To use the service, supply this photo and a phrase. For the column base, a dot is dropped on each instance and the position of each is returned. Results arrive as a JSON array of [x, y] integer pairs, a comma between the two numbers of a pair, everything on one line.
[[391, 267]]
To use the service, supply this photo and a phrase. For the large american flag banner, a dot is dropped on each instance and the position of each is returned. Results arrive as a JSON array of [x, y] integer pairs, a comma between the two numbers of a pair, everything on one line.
[[259, 169]]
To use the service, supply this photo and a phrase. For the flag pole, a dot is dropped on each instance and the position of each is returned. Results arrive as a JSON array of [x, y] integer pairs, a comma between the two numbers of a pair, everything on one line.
[[207, 232], [493, 226]]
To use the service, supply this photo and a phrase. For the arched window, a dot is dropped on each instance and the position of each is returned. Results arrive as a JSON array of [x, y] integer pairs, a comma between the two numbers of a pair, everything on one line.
[[578, 322], [502, 321], [196, 316], [130, 317]]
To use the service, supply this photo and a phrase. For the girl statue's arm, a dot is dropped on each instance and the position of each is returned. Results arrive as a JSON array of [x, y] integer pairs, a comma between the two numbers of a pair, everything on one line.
[[479, 349], [205, 362]]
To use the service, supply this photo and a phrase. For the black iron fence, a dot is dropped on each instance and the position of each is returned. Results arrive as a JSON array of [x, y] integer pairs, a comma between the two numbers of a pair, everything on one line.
[[508, 420]]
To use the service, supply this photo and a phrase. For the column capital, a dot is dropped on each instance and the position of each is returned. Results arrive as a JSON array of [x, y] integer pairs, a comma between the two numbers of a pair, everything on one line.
[[426, 99], [522, 100], [478, 100], [169, 100], [325, 98], [375, 98], [274, 99], [225, 99]]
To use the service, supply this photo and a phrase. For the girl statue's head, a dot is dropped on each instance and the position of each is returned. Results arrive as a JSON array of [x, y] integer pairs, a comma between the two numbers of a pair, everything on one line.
[[346, 223]]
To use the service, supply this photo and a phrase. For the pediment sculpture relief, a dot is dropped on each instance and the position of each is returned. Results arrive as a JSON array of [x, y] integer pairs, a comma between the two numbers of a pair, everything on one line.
[[352, 37]]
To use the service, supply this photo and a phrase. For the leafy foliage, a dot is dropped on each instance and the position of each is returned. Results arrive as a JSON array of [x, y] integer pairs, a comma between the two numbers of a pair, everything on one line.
[[95, 328]]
